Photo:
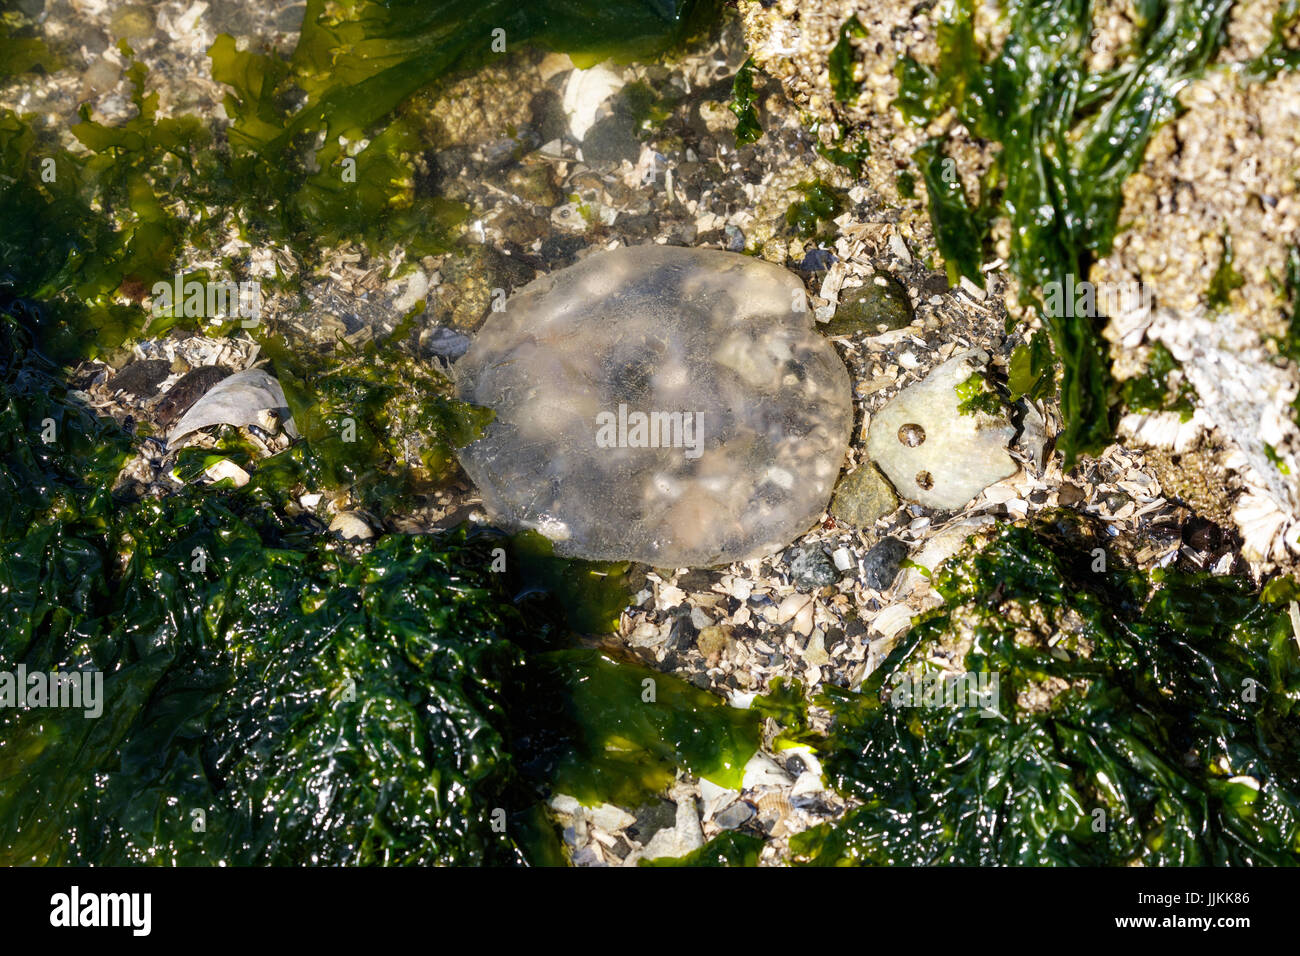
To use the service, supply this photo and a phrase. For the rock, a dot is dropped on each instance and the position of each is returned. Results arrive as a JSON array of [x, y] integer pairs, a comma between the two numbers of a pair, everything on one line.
[[610, 818], [189, 388], [735, 816], [585, 92], [612, 139], [651, 818], [879, 305], [684, 837], [470, 283], [442, 343], [141, 378], [225, 468], [880, 564], [657, 404], [712, 641], [933, 452], [351, 527], [863, 497], [811, 568]]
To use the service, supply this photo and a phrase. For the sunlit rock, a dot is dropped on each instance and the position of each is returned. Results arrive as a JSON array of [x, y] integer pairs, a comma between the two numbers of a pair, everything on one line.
[[657, 404], [935, 441]]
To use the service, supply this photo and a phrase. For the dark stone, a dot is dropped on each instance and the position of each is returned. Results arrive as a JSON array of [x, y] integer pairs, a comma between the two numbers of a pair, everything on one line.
[[880, 565], [612, 140], [547, 111], [817, 260], [735, 816], [141, 378], [559, 251], [192, 386], [637, 227], [936, 283], [651, 818], [810, 568], [878, 305]]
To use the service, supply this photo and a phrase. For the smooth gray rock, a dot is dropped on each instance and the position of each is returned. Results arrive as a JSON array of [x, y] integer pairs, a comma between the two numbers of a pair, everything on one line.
[[658, 404]]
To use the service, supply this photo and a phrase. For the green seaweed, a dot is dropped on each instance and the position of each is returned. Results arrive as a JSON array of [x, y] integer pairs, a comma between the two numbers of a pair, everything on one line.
[[1137, 720], [1151, 392], [840, 61], [957, 229], [21, 50], [742, 104], [821, 203], [977, 395], [602, 730], [1068, 138], [1225, 280], [270, 699], [1031, 373]]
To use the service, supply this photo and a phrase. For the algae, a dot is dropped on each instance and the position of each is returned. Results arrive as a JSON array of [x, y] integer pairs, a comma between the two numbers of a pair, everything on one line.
[[1068, 138], [1138, 720]]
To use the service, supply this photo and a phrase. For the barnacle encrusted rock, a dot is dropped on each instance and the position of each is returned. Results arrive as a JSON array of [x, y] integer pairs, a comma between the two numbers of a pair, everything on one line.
[[934, 451], [658, 404]]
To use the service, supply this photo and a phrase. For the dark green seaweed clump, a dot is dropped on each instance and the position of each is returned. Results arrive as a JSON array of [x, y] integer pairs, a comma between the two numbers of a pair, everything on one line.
[[268, 698], [1068, 139], [1129, 723]]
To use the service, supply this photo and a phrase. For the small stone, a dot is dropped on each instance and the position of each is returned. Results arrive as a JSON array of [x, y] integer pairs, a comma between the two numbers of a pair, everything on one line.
[[610, 818], [471, 283], [863, 497], [651, 818], [843, 558], [611, 140], [141, 378], [962, 453], [880, 565], [227, 469], [132, 22], [878, 305], [351, 527], [810, 568], [712, 641], [1069, 494], [735, 816], [534, 183], [191, 386]]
